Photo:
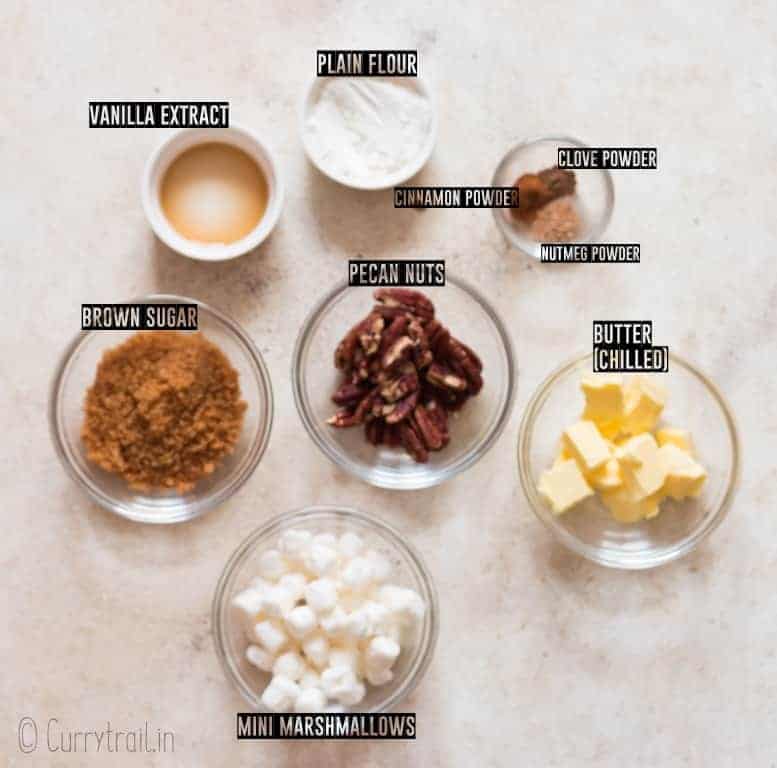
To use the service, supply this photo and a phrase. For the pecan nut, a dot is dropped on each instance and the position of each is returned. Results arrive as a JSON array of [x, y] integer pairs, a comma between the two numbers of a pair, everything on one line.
[[405, 373], [406, 299]]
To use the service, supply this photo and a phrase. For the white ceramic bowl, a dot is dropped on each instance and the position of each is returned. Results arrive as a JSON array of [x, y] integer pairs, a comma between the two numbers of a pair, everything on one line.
[[420, 86], [186, 138]]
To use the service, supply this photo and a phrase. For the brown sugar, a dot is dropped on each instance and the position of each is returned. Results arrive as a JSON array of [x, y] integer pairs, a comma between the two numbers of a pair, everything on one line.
[[163, 411]]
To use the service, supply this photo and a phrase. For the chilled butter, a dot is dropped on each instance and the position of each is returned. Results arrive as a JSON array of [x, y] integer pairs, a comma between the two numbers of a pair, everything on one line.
[[585, 443], [607, 477], [627, 507], [603, 398], [674, 436], [612, 451], [642, 464], [684, 476], [644, 401], [563, 486]]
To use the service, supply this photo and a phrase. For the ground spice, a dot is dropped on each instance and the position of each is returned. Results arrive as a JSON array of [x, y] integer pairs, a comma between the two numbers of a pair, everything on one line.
[[556, 222], [164, 410], [536, 190]]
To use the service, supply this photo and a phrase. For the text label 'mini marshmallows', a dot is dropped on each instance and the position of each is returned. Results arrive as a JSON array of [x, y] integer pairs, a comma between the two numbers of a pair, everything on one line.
[[322, 619], [619, 451]]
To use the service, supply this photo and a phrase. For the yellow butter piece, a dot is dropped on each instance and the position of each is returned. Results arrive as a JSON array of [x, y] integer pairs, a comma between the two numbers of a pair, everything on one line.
[[684, 476], [644, 400], [625, 507], [563, 486], [642, 464], [607, 477], [564, 454], [673, 436], [603, 399], [610, 429], [586, 444]]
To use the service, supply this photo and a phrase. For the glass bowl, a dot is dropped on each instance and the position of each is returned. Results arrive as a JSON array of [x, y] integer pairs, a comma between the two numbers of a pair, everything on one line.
[[594, 196], [693, 404], [473, 430], [75, 374], [409, 571]]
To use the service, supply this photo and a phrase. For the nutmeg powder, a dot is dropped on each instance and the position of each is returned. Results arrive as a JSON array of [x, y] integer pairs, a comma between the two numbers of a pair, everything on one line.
[[163, 411]]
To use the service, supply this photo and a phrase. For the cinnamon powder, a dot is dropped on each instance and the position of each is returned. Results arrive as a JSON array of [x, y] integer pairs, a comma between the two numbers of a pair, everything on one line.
[[163, 411]]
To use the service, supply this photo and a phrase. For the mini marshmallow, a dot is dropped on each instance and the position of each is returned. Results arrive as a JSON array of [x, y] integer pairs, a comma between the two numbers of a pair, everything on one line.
[[310, 700], [405, 604], [350, 544], [321, 595], [357, 575], [321, 560], [316, 650], [294, 544], [301, 621], [277, 601], [344, 656], [248, 606], [311, 679], [370, 619], [341, 683], [260, 658], [381, 653], [335, 622], [378, 676], [291, 665], [272, 565], [295, 583], [380, 565], [270, 636], [281, 694], [325, 540]]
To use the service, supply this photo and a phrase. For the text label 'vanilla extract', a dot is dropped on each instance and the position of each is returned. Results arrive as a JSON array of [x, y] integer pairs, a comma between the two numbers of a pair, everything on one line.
[[159, 114]]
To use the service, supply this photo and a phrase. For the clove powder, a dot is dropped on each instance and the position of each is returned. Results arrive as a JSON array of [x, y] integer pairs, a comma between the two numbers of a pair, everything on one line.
[[164, 410]]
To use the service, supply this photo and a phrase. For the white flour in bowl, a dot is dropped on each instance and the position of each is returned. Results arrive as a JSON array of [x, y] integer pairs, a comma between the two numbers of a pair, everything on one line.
[[363, 131]]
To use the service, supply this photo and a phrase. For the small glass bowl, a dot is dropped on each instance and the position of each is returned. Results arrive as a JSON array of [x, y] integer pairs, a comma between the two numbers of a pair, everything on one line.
[[473, 429], [409, 571], [75, 374], [594, 195], [693, 404]]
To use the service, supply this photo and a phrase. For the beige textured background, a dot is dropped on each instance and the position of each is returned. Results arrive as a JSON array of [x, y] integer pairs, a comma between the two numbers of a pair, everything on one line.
[[543, 659]]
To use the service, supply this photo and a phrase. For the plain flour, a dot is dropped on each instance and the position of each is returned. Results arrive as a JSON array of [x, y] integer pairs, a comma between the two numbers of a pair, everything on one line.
[[363, 131]]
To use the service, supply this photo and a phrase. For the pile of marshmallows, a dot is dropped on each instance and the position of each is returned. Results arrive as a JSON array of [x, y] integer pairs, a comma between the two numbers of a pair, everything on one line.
[[322, 619]]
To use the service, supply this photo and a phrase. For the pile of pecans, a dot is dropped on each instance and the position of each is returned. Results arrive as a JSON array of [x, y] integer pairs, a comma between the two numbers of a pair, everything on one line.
[[405, 374]]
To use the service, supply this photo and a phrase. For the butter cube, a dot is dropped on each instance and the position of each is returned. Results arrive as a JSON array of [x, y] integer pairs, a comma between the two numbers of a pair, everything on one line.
[[684, 476], [644, 401], [603, 398], [626, 506], [673, 436], [642, 465], [564, 454], [563, 486], [610, 429], [607, 477], [585, 443]]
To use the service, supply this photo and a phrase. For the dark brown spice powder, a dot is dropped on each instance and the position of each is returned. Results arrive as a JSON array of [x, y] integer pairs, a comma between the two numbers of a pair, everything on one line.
[[164, 410]]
